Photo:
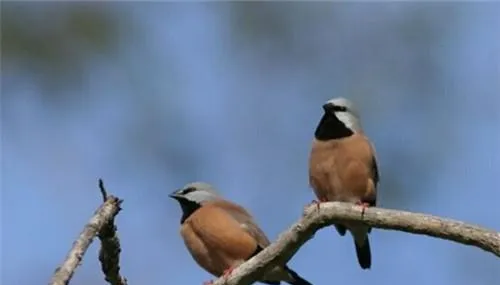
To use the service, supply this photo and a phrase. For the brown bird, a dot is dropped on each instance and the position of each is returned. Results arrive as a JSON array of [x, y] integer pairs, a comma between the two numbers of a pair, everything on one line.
[[342, 167], [220, 235]]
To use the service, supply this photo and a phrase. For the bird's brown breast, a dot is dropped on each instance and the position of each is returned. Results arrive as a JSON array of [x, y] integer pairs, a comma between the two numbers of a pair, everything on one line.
[[216, 240], [342, 169]]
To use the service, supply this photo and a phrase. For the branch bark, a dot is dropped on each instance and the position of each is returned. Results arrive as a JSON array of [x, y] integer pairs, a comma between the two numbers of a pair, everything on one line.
[[109, 254], [330, 213], [99, 224]]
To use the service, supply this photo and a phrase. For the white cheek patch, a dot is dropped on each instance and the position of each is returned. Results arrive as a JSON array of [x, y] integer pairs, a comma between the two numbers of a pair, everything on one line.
[[200, 197], [349, 120]]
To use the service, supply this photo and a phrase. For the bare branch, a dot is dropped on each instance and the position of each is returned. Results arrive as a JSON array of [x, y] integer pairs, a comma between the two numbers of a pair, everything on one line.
[[330, 213], [102, 218], [104, 193], [109, 254]]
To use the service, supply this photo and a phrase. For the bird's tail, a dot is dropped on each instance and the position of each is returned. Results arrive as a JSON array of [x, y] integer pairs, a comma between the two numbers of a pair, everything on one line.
[[296, 279], [363, 252]]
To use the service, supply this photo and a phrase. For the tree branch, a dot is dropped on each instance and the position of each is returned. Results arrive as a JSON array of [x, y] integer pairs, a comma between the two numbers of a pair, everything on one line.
[[109, 254], [330, 213], [100, 224]]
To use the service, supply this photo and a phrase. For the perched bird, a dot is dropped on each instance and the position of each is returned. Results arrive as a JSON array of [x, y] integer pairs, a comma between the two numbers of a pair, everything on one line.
[[342, 167], [220, 235]]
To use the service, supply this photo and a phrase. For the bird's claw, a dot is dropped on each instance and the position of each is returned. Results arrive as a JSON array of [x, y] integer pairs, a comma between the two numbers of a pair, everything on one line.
[[227, 272], [363, 205], [317, 203]]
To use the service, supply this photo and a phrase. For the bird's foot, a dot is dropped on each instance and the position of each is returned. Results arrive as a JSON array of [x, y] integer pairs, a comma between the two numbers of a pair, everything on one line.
[[317, 203], [307, 210], [227, 272], [363, 207], [209, 282]]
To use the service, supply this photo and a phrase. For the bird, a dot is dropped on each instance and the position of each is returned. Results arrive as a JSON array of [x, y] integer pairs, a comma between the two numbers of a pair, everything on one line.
[[220, 234], [343, 167]]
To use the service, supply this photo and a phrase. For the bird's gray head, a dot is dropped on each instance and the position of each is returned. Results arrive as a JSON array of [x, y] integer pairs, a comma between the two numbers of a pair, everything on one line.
[[197, 192], [192, 196], [340, 119], [341, 106]]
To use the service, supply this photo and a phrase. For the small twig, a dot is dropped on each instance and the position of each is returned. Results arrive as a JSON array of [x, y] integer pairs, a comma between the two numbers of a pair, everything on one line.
[[104, 193], [102, 215], [109, 254], [330, 213]]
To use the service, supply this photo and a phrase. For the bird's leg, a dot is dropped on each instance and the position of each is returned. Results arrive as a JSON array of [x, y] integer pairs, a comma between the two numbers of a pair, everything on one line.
[[227, 272], [317, 203], [363, 205]]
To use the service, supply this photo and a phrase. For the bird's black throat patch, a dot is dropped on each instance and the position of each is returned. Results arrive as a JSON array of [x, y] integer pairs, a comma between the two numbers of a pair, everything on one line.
[[188, 208], [330, 127]]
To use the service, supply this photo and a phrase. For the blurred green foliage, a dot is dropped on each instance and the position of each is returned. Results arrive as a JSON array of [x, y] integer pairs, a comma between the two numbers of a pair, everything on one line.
[[53, 41]]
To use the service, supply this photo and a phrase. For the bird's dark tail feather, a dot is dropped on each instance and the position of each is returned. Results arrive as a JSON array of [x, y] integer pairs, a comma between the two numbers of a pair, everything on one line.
[[297, 280], [364, 253], [341, 229]]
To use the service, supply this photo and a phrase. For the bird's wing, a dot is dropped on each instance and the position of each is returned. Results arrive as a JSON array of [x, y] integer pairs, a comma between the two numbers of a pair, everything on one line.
[[376, 173], [246, 222]]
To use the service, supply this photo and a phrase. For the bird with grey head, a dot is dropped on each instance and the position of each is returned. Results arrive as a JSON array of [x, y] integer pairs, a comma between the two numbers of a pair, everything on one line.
[[220, 235], [342, 167]]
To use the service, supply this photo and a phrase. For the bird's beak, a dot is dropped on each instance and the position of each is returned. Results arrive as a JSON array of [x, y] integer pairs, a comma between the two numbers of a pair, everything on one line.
[[174, 195]]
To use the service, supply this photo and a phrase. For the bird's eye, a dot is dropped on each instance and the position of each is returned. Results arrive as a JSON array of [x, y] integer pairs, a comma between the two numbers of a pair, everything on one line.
[[340, 108], [188, 190]]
